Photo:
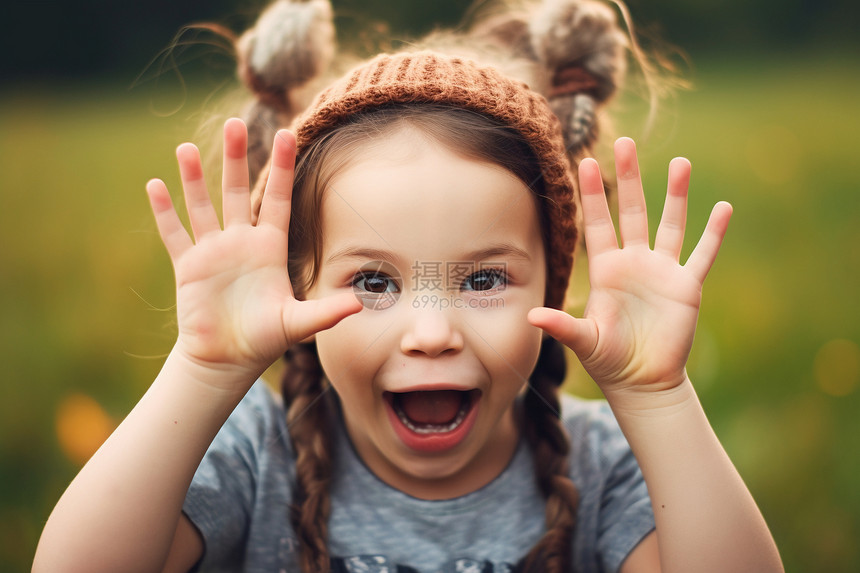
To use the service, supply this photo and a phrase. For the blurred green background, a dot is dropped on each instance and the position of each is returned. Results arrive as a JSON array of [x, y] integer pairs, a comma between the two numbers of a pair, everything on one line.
[[91, 106]]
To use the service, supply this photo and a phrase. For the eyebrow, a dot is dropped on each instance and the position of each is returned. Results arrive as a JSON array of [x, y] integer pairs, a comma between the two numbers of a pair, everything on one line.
[[363, 253], [498, 250]]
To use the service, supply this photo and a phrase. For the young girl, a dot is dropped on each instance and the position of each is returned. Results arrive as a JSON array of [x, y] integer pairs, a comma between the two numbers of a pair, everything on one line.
[[412, 268]]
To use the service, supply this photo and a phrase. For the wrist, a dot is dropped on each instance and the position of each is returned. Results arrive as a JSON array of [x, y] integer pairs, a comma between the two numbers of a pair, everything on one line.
[[214, 381], [653, 400]]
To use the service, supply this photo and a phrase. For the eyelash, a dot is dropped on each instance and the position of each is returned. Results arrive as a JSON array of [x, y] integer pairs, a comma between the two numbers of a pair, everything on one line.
[[364, 276], [497, 276]]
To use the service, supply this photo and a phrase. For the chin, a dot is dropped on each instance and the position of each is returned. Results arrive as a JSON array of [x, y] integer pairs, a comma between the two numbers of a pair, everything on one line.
[[439, 478]]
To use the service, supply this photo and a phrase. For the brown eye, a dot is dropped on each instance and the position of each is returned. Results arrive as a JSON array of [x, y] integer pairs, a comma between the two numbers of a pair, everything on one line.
[[485, 280], [375, 283]]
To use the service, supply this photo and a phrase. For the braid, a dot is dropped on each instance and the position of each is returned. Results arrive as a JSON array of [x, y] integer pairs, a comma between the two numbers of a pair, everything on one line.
[[583, 50], [262, 121], [307, 417], [290, 45], [545, 433], [571, 51]]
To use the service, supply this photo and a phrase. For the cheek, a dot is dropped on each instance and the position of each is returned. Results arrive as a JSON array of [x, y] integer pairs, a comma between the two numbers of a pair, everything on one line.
[[508, 344], [336, 351], [351, 349]]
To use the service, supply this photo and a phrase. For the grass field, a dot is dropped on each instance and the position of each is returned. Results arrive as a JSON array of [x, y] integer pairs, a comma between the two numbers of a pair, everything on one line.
[[86, 291]]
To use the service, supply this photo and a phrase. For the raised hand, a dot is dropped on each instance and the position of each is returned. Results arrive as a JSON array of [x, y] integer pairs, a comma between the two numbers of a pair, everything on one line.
[[235, 304], [640, 317]]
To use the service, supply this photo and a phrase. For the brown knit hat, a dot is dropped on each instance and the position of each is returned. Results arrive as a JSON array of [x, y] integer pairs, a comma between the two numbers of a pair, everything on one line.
[[431, 77]]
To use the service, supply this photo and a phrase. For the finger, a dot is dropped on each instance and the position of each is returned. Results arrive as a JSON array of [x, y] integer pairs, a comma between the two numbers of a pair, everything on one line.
[[632, 215], [578, 334], [597, 222], [311, 316], [277, 197], [235, 187], [173, 233], [670, 233], [200, 210], [705, 253]]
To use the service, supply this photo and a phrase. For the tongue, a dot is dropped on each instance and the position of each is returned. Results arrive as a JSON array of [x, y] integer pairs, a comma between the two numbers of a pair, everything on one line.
[[436, 407]]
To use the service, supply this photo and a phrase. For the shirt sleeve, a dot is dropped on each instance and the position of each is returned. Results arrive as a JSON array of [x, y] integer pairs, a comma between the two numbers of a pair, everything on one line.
[[615, 509], [221, 499], [626, 513]]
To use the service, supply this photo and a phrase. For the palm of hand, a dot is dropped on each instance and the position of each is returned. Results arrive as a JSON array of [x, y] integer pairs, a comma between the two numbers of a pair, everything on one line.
[[644, 307], [232, 294], [235, 305], [640, 318]]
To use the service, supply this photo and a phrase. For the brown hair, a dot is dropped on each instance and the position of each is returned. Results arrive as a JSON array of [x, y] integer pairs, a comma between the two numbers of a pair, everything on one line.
[[427, 77], [467, 133], [303, 385], [573, 52]]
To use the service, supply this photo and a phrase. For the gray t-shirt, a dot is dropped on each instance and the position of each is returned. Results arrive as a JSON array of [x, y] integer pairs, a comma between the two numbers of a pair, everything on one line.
[[241, 492]]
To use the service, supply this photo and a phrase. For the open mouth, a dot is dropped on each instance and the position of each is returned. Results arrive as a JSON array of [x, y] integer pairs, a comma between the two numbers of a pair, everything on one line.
[[432, 420]]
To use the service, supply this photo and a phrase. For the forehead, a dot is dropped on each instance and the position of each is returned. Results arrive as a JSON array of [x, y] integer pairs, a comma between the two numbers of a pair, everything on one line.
[[409, 193]]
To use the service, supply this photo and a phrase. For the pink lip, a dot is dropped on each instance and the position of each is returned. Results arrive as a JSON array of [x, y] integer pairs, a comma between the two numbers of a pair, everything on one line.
[[430, 387], [437, 442]]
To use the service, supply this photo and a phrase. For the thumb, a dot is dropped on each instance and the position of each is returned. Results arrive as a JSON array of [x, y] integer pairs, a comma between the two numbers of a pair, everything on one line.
[[578, 334], [307, 317]]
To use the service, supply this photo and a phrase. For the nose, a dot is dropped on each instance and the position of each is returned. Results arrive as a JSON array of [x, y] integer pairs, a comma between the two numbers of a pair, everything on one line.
[[431, 332]]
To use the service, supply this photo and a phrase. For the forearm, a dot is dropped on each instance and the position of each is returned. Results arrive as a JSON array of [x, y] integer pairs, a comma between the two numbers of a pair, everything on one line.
[[121, 511], [706, 518]]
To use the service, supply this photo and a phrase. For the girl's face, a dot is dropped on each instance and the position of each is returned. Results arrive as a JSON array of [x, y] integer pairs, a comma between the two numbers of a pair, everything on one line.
[[446, 254]]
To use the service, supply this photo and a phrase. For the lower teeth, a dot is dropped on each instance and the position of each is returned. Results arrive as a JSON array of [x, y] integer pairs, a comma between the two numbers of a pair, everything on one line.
[[433, 428]]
